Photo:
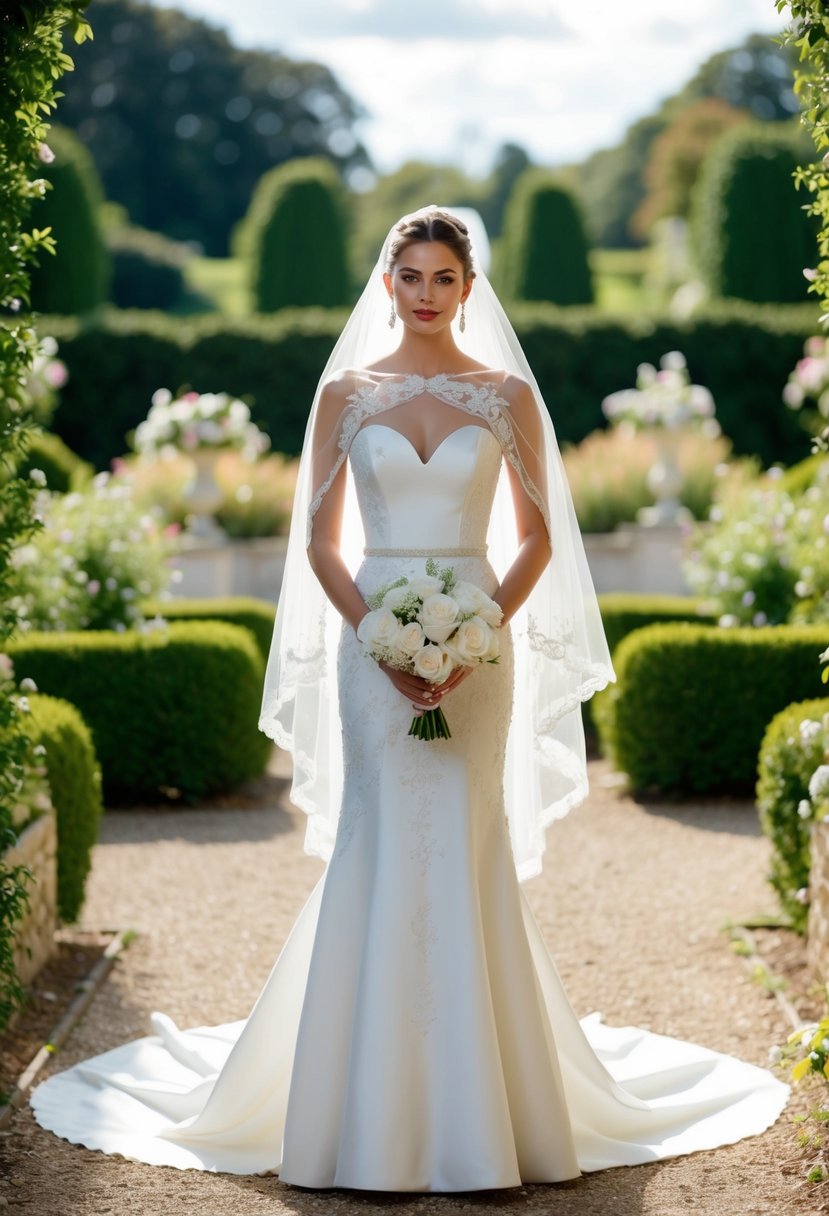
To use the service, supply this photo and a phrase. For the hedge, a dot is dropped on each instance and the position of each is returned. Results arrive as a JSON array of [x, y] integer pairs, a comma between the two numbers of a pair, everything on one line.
[[64, 471], [742, 352], [692, 701], [624, 611], [254, 614], [75, 782], [172, 711], [782, 782]]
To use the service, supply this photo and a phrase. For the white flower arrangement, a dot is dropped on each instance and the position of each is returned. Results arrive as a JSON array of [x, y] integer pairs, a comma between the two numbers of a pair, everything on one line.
[[663, 398], [198, 420], [428, 626]]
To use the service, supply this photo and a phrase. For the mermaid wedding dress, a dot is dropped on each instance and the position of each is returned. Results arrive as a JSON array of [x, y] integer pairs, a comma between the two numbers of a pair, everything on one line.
[[413, 1034]]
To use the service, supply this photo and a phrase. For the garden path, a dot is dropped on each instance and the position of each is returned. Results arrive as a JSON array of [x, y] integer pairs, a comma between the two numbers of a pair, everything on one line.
[[631, 901]]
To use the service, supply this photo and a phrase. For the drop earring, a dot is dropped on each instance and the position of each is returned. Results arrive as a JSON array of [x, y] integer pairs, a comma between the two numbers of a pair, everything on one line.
[[392, 316], [462, 323]]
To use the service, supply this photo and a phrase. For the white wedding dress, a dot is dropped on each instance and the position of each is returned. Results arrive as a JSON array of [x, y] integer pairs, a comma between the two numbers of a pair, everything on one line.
[[413, 1034]]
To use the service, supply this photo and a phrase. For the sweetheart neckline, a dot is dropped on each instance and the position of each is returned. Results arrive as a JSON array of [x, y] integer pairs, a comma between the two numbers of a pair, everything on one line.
[[468, 426]]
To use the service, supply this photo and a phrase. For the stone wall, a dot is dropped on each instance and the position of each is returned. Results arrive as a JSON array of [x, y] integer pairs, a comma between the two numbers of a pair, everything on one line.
[[37, 848]]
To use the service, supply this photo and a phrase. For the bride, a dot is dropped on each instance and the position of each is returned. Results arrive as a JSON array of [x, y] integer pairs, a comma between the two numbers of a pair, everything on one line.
[[413, 1034]]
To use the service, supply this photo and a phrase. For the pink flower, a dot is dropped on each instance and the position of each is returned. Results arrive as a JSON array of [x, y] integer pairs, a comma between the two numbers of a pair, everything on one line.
[[93, 586]]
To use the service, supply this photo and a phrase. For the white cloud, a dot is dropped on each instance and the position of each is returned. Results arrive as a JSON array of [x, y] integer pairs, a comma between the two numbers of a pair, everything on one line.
[[449, 80]]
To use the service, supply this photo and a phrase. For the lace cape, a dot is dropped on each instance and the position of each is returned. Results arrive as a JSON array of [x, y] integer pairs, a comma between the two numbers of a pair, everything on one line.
[[560, 648]]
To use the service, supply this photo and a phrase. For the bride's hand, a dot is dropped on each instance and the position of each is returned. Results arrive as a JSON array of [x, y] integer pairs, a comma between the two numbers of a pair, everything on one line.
[[421, 693]]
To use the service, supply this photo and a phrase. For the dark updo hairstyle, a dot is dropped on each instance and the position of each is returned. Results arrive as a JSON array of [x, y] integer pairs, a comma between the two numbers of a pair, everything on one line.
[[435, 226]]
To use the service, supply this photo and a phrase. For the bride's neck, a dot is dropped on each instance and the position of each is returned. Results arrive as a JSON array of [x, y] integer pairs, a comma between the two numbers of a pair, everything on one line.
[[427, 354]]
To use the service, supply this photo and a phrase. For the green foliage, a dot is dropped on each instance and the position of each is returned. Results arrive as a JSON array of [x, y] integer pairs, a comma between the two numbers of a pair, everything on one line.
[[147, 268], [256, 615], [63, 470], [803, 475], [171, 710], [692, 701], [182, 124], [788, 758], [75, 784], [743, 353], [76, 277], [96, 554], [295, 238], [544, 254], [32, 61], [751, 235], [808, 36]]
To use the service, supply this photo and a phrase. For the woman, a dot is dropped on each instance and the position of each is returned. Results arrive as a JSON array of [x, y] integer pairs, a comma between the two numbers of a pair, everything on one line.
[[414, 1035]]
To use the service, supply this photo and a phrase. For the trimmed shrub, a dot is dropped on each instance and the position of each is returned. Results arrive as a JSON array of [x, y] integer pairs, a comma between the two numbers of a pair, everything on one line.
[[75, 783], [787, 761], [64, 471], [171, 710], [147, 268], [544, 250], [76, 278], [751, 233], [256, 615], [295, 239], [692, 701], [742, 352], [622, 612]]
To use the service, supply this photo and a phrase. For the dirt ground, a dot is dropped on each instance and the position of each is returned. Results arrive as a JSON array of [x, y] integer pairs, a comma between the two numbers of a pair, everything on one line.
[[632, 902]]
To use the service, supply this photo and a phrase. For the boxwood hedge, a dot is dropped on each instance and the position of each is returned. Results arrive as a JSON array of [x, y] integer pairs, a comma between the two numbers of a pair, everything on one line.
[[173, 710], [692, 701], [254, 614]]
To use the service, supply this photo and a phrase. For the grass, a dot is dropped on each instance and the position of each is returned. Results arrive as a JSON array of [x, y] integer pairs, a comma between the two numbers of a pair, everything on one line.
[[221, 280]]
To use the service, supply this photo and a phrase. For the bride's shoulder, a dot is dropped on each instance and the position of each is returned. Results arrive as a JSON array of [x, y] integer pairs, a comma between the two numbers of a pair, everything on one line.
[[516, 392]]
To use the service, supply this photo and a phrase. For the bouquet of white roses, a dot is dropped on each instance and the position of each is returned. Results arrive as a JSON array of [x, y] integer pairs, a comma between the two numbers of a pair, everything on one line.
[[428, 626]]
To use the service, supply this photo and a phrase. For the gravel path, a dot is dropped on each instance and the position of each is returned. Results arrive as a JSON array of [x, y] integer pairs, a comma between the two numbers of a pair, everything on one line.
[[631, 901]]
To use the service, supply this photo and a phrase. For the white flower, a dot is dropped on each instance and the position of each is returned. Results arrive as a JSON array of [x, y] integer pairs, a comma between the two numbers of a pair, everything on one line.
[[469, 598], [432, 663], [809, 730], [378, 629], [775, 1054], [396, 596], [425, 585], [438, 616], [38, 476], [471, 642], [410, 638], [27, 684], [802, 896], [819, 782], [804, 808]]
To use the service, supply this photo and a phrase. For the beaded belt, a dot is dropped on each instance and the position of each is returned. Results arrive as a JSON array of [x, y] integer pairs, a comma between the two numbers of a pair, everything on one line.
[[471, 551]]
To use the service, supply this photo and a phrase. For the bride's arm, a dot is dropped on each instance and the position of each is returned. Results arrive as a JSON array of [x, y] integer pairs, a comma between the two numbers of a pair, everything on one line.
[[534, 549], [324, 548]]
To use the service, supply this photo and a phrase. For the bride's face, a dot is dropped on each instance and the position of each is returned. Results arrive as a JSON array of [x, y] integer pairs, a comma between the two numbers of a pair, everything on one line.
[[427, 286]]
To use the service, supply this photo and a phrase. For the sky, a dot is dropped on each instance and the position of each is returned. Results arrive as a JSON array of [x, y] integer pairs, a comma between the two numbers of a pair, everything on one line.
[[449, 81]]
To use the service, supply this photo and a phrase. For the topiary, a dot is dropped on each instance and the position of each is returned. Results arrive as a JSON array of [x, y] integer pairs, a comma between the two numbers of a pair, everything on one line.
[[295, 238], [76, 278], [147, 268], [692, 702], [254, 614], [750, 232], [75, 783], [544, 250], [788, 758]]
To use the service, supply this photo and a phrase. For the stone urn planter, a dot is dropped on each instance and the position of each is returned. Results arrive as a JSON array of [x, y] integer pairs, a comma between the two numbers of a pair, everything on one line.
[[203, 495]]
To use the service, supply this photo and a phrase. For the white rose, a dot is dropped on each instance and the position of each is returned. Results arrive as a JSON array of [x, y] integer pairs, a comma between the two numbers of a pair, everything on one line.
[[395, 596], [438, 616], [432, 663], [425, 585], [491, 612], [378, 630], [469, 597], [410, 638], [819, 783], [471, 641]]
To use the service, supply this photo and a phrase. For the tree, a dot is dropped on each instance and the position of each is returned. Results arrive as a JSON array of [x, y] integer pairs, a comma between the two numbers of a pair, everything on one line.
[[76, 278], [510, 162], [31, 62], [675, 159], [756, 76], [182, 124], [750, 232], [544, 249], [296, 238]]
